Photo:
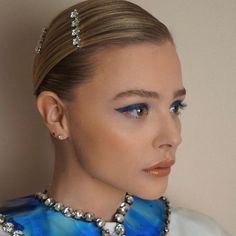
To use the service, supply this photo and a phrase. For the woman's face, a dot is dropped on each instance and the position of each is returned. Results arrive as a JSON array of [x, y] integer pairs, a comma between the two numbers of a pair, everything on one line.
[[116, 134]]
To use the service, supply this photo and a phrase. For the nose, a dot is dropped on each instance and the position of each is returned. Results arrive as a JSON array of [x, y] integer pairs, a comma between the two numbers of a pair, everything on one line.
[[169, 132]]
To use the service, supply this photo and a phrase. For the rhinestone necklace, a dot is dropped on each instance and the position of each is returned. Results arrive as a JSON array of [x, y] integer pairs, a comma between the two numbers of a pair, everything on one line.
[[90, 217]]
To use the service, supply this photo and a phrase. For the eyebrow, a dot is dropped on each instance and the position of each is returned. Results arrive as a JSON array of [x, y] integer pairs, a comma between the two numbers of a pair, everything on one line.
[[147, 94]]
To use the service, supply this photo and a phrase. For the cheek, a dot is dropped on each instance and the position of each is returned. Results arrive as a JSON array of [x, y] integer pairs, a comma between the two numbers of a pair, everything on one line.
[[115, 154], [102, 145]]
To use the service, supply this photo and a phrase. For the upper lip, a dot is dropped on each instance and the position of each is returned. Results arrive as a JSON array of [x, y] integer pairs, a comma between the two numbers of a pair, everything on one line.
[[162, 164]]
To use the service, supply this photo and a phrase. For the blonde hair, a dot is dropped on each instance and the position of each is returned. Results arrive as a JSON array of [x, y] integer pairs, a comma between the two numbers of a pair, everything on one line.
[[61, 66]]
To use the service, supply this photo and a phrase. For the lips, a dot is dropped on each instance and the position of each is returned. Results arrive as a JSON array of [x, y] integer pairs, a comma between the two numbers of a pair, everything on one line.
[[161, 165]]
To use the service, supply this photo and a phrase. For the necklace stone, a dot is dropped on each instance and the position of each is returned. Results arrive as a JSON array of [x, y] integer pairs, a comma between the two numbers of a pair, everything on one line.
[[119, 216]]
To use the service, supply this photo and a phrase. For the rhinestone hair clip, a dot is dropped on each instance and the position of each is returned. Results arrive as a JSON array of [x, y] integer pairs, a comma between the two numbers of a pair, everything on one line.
[[40, 41], [75, 28]]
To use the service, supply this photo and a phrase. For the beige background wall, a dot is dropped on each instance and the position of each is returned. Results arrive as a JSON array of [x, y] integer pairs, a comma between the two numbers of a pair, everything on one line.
[[204, 177]]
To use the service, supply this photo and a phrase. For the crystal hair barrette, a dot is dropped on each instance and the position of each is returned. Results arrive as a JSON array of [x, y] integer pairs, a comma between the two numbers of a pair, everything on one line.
[[75, 28], [75, 32], [40, 41]]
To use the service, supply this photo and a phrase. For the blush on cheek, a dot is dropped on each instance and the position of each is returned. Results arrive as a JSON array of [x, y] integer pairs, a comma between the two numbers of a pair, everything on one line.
[[104, 145]]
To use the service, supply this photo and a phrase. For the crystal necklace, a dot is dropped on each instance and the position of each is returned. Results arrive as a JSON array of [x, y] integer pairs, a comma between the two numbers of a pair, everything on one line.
[[90, 217]]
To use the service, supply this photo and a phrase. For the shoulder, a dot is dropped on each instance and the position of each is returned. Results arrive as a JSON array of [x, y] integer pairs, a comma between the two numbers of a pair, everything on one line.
[[17, 205], [17, 212], [185, 222]]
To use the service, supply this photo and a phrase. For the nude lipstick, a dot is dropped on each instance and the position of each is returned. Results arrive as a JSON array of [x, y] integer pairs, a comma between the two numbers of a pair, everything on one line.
[[160, 169]]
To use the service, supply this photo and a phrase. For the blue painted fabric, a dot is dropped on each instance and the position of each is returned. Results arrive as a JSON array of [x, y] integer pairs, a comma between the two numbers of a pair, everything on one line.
[[144, 218]]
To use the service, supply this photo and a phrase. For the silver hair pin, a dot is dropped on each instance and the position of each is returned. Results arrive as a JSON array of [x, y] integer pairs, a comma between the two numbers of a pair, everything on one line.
[[40, 41], [75, 28]]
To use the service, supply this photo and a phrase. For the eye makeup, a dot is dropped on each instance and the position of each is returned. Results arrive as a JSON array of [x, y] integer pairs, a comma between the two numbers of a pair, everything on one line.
[[139, 107], [177, 106], [132, 107]]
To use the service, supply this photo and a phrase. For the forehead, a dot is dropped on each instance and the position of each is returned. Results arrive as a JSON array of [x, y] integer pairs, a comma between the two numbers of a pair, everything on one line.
[[140, 66]]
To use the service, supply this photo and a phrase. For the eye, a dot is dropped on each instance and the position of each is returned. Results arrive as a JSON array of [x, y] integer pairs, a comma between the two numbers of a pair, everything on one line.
[[177, 106], [135, 110]]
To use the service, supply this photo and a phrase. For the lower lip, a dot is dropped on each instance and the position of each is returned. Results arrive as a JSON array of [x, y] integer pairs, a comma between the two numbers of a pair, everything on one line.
[[159, 171]]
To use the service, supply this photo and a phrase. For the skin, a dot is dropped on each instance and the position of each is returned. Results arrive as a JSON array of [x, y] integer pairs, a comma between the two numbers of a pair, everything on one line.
[[105, 151]]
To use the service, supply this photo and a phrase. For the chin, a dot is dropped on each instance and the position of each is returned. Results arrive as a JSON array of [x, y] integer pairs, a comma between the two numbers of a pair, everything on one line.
[[152, 191]]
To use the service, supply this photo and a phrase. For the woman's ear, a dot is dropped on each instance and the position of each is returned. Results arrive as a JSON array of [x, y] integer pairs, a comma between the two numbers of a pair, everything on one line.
[[53, 112]]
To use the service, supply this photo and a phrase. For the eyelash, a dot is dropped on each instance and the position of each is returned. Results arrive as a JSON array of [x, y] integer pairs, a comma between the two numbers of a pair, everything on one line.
[[133, 107], [128, 109], [181, 105]]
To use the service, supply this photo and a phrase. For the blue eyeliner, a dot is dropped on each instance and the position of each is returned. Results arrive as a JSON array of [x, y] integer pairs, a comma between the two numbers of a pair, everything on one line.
[[132, 107], [178, 104]]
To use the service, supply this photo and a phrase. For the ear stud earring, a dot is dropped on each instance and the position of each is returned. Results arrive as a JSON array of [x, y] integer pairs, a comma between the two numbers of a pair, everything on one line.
[[61, 137]]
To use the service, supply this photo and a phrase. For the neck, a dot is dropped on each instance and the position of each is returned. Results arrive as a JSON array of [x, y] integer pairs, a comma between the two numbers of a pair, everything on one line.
[[74, 187]]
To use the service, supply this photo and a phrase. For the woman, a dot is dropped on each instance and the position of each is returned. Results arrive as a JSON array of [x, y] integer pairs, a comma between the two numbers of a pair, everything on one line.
[[107, 81]]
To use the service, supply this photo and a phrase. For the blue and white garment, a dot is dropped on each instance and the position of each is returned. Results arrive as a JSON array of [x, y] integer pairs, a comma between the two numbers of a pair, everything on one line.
[[144, 218]]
